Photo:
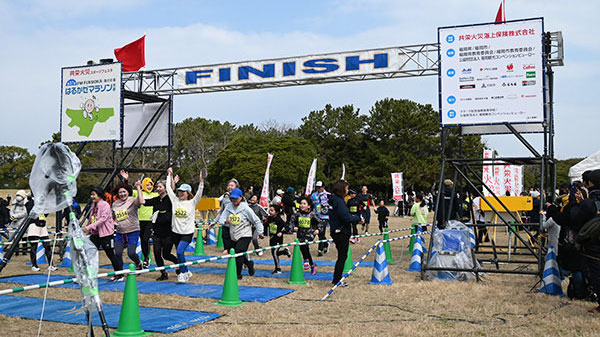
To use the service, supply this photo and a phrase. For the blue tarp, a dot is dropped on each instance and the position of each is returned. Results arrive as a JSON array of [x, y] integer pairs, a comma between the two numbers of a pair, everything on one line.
[[248, 294], [152, 319]]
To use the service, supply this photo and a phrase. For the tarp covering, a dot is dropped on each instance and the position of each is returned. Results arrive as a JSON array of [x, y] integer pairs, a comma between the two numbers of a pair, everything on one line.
[[590, 163]]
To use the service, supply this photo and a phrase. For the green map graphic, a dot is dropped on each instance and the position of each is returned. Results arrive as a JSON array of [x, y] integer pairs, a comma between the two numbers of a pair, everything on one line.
[[85, 125]]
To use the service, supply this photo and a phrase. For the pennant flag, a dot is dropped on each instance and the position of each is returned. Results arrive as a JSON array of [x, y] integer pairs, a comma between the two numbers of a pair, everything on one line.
[[312, 175], [132, 55], [501, 15], [264, 194], [397, 186]]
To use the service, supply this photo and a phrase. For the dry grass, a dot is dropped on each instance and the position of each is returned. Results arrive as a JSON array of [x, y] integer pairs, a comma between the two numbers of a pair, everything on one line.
[[501, 305]]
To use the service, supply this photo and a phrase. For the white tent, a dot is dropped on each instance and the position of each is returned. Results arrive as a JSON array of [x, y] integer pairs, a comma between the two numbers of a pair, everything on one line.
[[590, 163]]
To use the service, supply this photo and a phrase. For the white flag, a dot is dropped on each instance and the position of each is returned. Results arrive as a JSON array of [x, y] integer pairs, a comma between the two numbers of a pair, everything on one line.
[[312, 175], [264, 194], [397, 186], [343, 171]]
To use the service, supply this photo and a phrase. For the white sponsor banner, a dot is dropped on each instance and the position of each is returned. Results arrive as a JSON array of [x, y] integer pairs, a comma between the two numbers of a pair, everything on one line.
[[91, 103], [397, 186], [312, 175], [135, 119], [264, 194], [492, 73], [294, 68]]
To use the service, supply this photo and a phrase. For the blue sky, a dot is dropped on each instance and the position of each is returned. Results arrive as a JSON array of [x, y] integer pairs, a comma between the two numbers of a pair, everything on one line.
[[43, 36]]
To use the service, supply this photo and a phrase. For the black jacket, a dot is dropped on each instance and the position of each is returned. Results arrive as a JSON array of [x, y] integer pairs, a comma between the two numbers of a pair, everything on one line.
[[339, 216], [164, 207], [445, 212]]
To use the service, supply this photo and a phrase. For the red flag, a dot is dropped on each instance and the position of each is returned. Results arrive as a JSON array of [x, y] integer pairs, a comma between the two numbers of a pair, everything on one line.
[[501, 16], [132, 55]]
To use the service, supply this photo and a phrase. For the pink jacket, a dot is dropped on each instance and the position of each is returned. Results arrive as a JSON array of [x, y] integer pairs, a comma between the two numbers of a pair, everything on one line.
[[101, 221]]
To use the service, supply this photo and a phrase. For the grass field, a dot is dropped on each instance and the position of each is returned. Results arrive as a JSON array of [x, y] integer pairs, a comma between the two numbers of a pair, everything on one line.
[[500, 305]]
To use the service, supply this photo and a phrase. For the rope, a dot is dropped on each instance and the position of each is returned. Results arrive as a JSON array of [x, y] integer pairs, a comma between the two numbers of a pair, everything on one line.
[[36, 241]]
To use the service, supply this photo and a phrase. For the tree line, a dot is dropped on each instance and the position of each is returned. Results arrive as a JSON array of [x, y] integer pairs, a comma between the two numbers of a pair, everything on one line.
[[395, 135]]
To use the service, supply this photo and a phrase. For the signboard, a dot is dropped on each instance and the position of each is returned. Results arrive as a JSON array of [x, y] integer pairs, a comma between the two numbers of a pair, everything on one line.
[[397, 186], [91, 103], [501, 178], [292, 69], [135, 119], [492, 73]]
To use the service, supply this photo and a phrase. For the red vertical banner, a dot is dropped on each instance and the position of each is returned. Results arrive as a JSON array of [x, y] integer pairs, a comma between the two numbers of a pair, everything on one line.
[[264, 194], [397, 186]]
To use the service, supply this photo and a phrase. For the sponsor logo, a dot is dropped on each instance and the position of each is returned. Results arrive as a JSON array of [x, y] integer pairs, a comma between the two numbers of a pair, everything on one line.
[[450, 72], [512, 96], [488, 69], [510, 67], [466, 71], [497, 97], [509, 84], [71, 82], [485, 98], [466, 79], [466, 99], [511, 76], [528, 66], [487, 78], [451, 99], [467, 86], [530, 74], [528, 96], [488, 85], [528, 83], [451, 113]]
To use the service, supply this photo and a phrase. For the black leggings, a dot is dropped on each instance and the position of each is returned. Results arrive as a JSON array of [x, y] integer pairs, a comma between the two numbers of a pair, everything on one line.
[[108, 245], [382, 224], [306, 254], [240, 246], [342, 241], [163, 245], [145, 234], [34, 245], [322, 236], [354, 228], [227, 243], [276, 252]]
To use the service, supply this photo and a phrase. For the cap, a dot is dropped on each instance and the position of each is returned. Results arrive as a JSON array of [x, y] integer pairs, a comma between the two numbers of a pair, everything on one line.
[[448, 182], [236, 193], [279, 192], [21, 193], [319, 184], [535, 194], [185, 188], [351, 192]]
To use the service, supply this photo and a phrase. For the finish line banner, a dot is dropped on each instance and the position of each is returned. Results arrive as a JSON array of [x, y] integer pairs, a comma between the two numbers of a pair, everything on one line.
[[345, 64], [492, 73]]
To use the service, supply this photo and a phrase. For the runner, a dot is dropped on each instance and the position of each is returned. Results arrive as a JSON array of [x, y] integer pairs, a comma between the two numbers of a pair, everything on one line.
[[367, 200], [262, 216], [320, 200], [240, 219], [182, 223], [306, 224], [162, 237], [276, 227], [355, 208], [224, 200], [101, 228], [125, 211]]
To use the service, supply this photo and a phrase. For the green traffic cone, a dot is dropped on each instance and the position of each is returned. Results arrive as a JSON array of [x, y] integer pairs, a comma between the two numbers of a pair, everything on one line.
[[220, 238], [199, 249], [231, 293], [297, 272], [129, 320], [348, 263], [386, 247], [413, 230]]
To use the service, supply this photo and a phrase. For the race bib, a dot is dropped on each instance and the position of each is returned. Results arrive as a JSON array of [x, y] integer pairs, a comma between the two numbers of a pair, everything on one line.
[[122, 215], [366, 203], [235, 219], [273, 228], [304, 222], [353, 209], [181, 213], [93, 219], [42, 217]]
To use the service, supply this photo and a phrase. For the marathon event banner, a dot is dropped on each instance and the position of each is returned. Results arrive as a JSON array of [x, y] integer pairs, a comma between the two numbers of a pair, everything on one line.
[[397, 186], [264, 194], [91, 103], [294, 68], [492, 73]]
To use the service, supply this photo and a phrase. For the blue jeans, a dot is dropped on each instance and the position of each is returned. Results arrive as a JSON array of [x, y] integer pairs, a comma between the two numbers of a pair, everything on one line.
[[131, 239], [182, 241]]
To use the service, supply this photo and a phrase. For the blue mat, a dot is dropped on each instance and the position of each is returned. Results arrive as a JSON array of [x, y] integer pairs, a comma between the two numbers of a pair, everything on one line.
[[248, 294], [153, 319], [283, 262]]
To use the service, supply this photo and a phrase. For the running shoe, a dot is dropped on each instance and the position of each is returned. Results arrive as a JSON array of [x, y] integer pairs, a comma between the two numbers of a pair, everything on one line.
[[276, 271], [251, 268], [163, 277], [35, 268], [188, 275], [181, 278], [313, 269], [357, 239], [352, 240], [52, 268], [117, 278], [260, 253], [319, 254], [145, 264], [306, 265], [287, 252]]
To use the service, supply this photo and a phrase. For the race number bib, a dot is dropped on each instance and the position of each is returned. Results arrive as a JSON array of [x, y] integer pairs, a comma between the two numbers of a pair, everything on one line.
[[42, 217], [304, 222], [235, 219], [122, 215], [273, 228], [366, 203], [181, 213], [353, 209]]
